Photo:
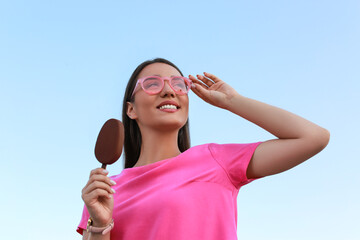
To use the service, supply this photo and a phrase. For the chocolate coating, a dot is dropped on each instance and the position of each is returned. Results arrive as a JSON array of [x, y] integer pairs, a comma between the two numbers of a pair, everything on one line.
[[110, 141]]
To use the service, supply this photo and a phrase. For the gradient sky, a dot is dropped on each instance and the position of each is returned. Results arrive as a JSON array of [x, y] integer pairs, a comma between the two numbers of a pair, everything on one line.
[[64, 66]]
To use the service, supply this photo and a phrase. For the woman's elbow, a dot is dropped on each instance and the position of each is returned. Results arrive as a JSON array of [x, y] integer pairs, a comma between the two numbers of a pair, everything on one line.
[[320, 139]]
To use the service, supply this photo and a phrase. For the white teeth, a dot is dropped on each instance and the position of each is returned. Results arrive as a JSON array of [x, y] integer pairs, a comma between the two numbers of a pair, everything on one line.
[[168, 107]]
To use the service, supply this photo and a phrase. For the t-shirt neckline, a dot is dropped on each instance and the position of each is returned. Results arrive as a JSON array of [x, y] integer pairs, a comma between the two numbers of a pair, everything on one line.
[[150, 165]]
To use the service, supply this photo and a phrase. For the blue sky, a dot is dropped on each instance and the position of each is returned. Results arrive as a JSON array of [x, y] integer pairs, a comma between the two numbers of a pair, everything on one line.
[[64, 66]]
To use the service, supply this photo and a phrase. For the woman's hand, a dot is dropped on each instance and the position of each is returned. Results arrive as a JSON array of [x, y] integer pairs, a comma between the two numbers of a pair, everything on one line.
[[98, 197], [213, 90]]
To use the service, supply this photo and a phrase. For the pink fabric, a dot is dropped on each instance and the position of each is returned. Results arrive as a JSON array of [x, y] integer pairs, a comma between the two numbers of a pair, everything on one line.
[[190, 196]]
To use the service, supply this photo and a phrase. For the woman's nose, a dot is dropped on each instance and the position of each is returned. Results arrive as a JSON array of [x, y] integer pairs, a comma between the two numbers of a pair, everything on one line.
[[167, 90]]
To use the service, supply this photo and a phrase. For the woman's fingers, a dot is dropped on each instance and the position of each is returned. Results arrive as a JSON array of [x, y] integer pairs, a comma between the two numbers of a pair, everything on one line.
[[201, 90], [192, 78], [95, 194], [99, 175], [201, 93], [99, 185], [98, 196], [101, 178], [206, 80], [97, 171], [212, 77]]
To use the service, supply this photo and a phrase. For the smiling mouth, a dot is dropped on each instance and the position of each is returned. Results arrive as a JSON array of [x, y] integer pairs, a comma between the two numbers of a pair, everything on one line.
[[168, 106]]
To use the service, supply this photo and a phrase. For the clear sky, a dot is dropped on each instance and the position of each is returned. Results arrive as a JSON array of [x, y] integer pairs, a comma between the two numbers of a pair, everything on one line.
[[64, 66]]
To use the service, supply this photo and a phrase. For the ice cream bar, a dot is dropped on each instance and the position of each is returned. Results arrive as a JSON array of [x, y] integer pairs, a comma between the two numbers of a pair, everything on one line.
[[110, 141]]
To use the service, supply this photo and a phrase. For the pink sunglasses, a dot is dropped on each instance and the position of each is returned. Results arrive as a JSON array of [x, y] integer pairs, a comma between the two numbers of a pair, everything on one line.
[[155, 84]]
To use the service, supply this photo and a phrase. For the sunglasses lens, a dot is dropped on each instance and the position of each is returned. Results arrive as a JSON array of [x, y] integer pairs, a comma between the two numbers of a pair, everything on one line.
[[152, 85], [179, 85]]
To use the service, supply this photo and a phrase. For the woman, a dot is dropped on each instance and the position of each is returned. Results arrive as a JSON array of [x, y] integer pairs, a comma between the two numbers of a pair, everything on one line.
[[171, 191]]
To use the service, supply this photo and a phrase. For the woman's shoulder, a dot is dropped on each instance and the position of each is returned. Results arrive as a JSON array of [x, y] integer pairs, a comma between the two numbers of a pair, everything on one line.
[[200, 147], [224, 147]]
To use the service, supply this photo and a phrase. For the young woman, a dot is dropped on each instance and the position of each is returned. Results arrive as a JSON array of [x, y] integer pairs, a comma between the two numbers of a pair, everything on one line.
[[171, 191]]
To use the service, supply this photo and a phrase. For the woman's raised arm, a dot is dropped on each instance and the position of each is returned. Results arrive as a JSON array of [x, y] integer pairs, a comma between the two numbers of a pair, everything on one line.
[[298, 138]]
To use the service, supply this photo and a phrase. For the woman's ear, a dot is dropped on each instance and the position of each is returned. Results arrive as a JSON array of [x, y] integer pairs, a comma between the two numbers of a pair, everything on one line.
[[130, 111]]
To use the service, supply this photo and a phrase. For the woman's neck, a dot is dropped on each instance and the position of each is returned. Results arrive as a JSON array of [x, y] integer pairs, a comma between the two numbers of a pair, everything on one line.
[[157, 146]]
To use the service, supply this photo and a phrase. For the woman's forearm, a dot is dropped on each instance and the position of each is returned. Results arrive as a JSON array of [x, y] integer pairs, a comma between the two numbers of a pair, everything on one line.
[[279, 122]]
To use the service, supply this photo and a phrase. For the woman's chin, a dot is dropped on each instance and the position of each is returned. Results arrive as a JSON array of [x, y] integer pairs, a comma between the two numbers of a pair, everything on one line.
[[169, 125]]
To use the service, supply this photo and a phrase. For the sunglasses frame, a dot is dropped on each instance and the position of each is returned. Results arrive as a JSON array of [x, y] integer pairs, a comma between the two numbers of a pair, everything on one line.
[[141, 81]]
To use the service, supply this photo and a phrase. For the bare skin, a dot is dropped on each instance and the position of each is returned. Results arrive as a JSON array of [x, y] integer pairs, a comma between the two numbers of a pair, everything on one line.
[[159, 129], [97, 196], [159, 132], [297, 138]]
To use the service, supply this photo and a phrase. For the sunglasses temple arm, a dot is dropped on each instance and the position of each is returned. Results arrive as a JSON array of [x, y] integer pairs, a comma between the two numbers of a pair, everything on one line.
[[134, 89], [191, 83]]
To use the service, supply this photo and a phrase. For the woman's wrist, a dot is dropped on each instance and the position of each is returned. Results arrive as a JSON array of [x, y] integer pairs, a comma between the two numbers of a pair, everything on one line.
[[232, 104], [92, 227], [100, 224]]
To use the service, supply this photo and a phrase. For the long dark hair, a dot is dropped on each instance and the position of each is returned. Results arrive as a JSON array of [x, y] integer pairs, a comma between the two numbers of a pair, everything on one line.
[[132, 143]]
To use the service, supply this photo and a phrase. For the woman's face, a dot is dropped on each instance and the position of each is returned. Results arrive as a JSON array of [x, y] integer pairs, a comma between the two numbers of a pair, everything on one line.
[[146, 108]]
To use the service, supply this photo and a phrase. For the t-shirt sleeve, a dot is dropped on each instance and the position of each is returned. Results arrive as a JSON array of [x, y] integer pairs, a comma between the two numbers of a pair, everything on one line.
[[234, 159], [83, 222]]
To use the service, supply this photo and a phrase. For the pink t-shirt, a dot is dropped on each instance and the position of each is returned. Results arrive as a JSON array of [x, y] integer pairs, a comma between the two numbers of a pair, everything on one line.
[[190, 196]]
